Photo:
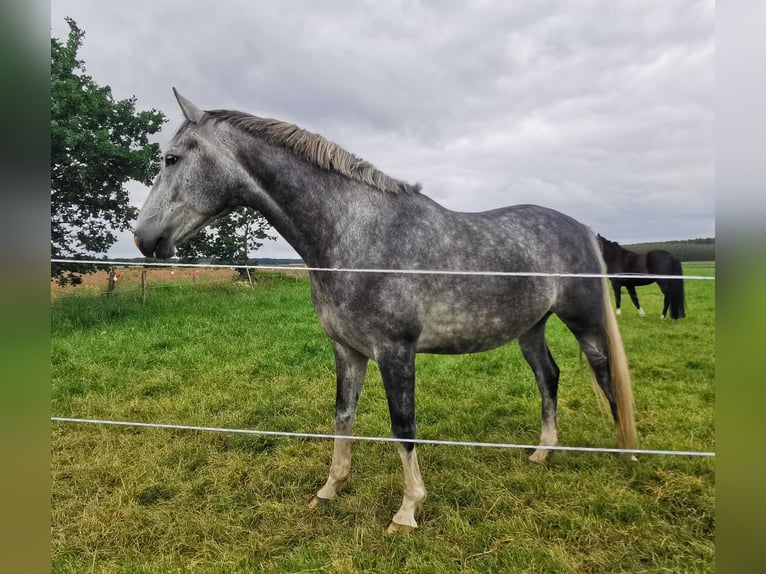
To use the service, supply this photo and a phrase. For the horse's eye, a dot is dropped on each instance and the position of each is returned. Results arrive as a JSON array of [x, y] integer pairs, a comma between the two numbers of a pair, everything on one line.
[[170, 159]]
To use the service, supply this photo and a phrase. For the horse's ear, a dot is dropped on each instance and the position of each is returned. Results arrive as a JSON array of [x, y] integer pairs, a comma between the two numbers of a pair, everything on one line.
[[190, 111]]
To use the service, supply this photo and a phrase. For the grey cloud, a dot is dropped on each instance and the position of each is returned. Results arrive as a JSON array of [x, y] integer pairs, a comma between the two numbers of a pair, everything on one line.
[[601, 109]]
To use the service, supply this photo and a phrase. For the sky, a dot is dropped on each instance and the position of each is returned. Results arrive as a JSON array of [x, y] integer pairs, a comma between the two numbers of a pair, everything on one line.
[[603, 110]]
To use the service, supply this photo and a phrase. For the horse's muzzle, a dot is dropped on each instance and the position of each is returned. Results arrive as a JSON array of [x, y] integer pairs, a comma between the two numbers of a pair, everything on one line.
[[144, 246], [156, 247]]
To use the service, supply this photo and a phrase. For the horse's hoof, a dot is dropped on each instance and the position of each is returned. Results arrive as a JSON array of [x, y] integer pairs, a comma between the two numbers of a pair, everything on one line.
[[316, 501], [394, 527], [539, 457]]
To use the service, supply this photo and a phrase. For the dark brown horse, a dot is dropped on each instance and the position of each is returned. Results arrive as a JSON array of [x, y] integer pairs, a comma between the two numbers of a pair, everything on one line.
[[655, 262]]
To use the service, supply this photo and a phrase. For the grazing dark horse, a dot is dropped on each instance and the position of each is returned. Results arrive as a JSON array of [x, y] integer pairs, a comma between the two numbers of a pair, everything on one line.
[[655, 262], [338, 211]]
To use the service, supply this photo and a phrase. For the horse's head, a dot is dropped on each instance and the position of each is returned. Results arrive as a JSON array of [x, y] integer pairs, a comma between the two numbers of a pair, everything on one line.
[[195, 185], [609, 249]]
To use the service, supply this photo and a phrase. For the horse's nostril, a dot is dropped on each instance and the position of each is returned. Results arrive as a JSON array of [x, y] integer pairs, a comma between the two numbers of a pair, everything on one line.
[[146, 245]]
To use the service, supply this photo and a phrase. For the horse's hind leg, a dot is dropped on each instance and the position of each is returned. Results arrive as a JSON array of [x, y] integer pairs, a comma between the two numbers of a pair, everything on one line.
[[536, 352], [593, 342], [397, 369], [665, 288], [350, 369], [594, 345]]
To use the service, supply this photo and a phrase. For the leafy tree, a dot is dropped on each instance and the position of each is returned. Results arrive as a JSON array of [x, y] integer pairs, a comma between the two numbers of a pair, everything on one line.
[[228, 240], [97, 145]]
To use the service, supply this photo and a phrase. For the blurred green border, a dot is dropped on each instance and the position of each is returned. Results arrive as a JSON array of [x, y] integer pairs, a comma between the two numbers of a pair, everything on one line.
[[741, 282], [24, 291]]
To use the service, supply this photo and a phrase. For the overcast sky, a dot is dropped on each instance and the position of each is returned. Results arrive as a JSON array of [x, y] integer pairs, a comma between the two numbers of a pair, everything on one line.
[[601, 109]]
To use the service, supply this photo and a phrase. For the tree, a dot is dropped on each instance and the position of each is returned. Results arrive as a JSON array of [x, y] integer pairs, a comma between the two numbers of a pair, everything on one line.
[[97, 145], [228, 240]]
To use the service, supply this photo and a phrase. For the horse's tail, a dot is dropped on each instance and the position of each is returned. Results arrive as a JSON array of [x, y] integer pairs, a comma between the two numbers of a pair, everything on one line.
[[677, 297], [618, 364]]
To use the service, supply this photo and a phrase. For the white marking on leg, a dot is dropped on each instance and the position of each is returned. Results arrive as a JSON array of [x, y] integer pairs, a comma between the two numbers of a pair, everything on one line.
[[414, 493], [662, 316], [618, 311], [641, 312], [548, 437], [339, 471]]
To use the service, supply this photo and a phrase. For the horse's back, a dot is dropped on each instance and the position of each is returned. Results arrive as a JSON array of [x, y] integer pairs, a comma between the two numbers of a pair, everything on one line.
[[469, 312], [661, 262], [538, 239]]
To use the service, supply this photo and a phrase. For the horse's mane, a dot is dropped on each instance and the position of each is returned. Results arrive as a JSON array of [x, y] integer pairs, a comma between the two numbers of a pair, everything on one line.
[[314, 148]]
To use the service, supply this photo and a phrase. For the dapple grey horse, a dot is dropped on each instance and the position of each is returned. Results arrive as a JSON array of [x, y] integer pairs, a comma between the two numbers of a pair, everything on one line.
[[338, 211]]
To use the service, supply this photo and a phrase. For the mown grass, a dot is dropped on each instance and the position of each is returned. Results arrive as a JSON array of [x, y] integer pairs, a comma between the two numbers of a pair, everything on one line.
[[150, 500]]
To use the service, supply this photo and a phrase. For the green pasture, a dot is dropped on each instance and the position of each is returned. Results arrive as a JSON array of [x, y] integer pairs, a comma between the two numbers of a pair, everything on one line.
[[129, 500]]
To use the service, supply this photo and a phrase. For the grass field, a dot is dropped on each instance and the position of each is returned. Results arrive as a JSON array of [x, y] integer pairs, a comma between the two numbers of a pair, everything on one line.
[[230, 355]]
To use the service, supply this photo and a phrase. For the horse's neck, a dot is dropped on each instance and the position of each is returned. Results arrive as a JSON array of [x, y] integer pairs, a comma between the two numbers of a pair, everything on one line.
[[306, 204], [615, 261], [633, 262]]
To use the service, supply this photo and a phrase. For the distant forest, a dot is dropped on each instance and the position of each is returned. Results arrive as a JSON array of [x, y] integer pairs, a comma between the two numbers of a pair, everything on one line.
[[701, 249]]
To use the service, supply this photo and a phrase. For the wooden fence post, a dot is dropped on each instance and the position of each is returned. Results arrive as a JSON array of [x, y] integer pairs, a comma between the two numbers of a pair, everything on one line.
[[110, 282], [143, 285]]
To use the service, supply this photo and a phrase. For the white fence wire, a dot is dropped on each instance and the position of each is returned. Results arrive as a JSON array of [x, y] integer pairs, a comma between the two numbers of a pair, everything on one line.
[[419, 441], [385, 271]]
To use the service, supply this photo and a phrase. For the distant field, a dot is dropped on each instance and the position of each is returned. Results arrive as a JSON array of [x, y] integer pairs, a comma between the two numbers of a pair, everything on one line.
[[225, 354], [129, 280]]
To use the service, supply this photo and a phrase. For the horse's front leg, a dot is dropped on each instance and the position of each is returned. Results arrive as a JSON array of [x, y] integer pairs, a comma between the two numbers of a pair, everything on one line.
[[397, 369], [350, 367], [617, 288], [634, 298]]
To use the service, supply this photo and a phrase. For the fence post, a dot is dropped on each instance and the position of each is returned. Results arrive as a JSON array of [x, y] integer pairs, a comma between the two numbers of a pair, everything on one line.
[[143, 285], [110, 282]]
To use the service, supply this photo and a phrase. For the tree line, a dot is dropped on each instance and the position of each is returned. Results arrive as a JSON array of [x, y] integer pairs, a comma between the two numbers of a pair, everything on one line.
[[702, 249]]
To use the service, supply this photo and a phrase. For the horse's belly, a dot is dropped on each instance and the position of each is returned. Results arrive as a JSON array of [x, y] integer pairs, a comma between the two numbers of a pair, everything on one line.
[[459, 317], [483, 315], [454, 333]]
